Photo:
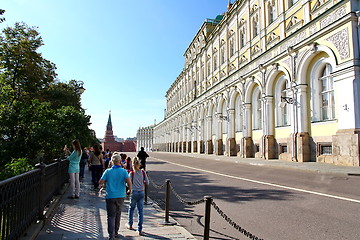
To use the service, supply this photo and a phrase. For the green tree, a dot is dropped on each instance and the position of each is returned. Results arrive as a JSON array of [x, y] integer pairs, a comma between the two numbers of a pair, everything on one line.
[[38, 114], [2, 11]]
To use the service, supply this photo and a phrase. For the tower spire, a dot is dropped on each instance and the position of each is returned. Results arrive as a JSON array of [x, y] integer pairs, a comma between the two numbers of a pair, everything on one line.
[[109, 124]]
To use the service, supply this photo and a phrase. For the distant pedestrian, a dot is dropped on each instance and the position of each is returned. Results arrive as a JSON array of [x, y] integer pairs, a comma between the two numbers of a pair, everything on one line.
[[96, 165], [142, 155], [83, 162], [123, 160], [74, 168], [139, 179], [107, 159], [115, 178], [128, 165]]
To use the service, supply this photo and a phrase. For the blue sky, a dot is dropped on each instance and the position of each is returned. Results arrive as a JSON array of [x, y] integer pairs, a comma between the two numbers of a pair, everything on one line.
[[127, 53]]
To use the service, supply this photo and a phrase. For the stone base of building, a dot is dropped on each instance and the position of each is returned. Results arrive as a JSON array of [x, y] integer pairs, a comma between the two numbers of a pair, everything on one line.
[[248, 147], [345, 148], [201, 146], [194, 150], [269, 145], [219, 147], [232, 147], [303, 147], [209, 147]]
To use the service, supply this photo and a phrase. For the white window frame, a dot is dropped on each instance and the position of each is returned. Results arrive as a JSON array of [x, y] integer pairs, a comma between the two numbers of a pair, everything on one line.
[[238, 114], [316, 75], [282, 109], [256, 109]]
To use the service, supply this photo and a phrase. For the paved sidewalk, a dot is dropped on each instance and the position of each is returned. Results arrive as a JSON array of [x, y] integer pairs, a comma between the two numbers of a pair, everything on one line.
[[85, 218]]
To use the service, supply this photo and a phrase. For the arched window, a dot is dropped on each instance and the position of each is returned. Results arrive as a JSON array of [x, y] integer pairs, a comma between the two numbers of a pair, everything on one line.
[[208, 67], [215, 62], [271, 11], [322, 92], [282, 108], [224, 122], [256, 109], [214, 123], [255, 25], [327, 94], [231, 47], [242, 38], [238, 114], [222, 55]]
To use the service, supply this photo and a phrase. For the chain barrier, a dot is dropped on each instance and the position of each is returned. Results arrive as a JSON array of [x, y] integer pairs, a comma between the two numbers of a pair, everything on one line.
[[234, 224], [154, 184], [183, 200]]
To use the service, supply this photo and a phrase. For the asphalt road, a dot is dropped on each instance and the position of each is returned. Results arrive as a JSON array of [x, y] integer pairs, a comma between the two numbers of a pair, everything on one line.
[[270, 203]]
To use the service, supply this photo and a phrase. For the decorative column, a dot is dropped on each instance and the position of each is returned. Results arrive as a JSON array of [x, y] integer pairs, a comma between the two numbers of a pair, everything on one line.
[[247, 141], [231, 142], [219, 142], [200, 131], [269, 139], [209, 145], [302, 136]]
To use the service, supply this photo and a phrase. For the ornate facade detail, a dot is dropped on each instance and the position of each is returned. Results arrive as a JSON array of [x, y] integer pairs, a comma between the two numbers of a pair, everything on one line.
[[341, 42], [294, 23], [253, 9], [333, 17]]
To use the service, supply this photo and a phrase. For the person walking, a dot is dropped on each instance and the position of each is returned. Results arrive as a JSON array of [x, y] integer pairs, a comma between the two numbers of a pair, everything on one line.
[[139, 179], [115, 178], [96, 164], [83, 162], [74, 168], [142, 155]]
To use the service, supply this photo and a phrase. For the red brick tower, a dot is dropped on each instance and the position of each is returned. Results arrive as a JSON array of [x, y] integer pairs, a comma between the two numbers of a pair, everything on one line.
[[109, 139]]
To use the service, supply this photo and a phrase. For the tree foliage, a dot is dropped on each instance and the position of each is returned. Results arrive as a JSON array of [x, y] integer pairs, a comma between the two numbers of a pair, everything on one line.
[[38, 114]]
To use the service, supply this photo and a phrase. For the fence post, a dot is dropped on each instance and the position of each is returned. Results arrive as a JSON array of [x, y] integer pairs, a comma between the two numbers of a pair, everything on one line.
[[208, 202], [59, 177], [167, 203], [41, 166]]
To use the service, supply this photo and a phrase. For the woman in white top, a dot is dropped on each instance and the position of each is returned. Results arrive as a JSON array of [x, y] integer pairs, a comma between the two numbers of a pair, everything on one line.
[[139, 180]]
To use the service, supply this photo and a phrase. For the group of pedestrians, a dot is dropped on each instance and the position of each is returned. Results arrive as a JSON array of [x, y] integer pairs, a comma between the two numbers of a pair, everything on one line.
[[122, 176]]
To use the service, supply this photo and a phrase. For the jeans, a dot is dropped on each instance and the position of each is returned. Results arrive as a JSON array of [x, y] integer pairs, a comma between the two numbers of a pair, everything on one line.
[[82, 168], [137, 199], [96, 172], [113, 207], [74, 184]]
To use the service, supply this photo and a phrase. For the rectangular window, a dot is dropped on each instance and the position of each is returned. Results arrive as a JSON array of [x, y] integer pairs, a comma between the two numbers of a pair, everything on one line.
[[324, 149], [283, 148]]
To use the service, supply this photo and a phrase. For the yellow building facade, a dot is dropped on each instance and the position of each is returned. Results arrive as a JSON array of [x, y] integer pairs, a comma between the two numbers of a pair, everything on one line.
[[274, 79]]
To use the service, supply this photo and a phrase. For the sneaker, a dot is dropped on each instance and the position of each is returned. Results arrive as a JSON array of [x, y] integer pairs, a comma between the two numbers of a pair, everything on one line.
[[128, 226], [140, 233], [76, 197]]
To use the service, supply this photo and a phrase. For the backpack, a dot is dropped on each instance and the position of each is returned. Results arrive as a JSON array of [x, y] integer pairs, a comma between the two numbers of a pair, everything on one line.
[[132, 176]]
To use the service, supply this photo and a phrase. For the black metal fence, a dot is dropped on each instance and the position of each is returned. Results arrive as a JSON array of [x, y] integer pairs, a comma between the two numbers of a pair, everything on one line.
[[209, 202], [23, 198]]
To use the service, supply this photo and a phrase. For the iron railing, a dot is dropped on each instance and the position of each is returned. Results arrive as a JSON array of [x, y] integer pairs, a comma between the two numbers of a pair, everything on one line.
[[23, 198]]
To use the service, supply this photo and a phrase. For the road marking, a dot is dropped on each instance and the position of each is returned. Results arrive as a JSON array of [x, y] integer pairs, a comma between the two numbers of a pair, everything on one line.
[[266, 183]]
